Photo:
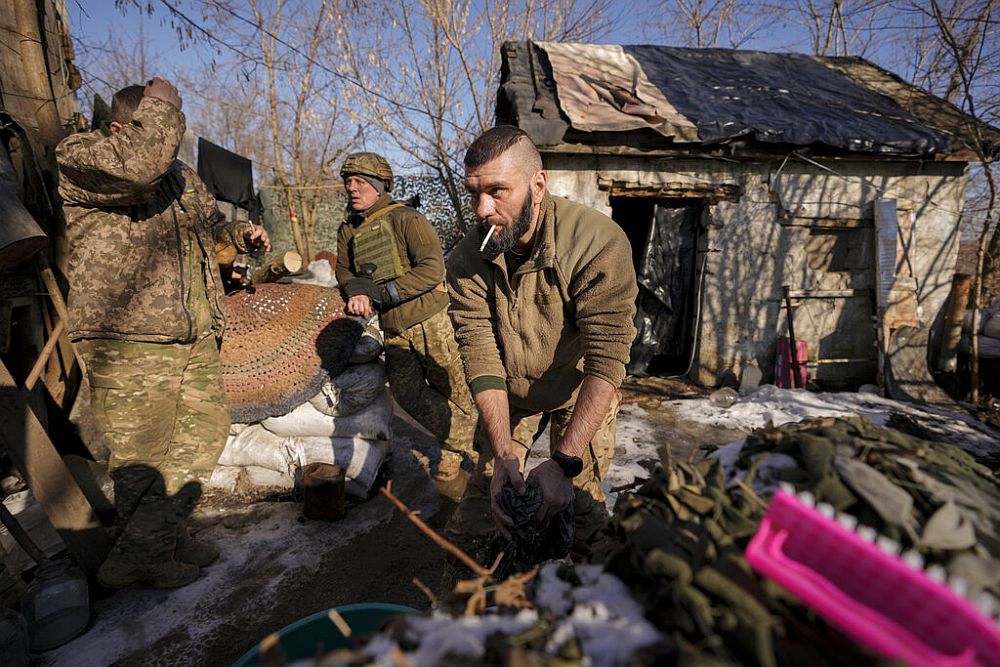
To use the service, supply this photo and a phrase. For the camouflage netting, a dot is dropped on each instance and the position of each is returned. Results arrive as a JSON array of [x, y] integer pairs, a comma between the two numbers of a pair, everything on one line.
[[677, 544], [434, 203]]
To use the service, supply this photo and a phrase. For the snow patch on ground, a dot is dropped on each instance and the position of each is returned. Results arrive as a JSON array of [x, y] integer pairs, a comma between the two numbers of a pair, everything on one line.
[[784, 406], [263, 548]]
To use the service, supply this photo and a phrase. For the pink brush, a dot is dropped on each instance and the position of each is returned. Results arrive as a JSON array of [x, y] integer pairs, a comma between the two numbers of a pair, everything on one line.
[[856, 580]]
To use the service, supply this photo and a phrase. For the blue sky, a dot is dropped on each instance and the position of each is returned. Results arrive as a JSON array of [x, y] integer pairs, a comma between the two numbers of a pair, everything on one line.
[[93, 22]]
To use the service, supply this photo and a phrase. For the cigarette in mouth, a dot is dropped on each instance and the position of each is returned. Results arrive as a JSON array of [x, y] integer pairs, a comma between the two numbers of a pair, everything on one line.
[[489, 234]]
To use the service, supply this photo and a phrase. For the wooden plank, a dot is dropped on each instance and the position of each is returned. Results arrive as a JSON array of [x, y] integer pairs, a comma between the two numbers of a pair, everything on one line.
[[827, 223], [897, 295], [50, 481], [828, 293]]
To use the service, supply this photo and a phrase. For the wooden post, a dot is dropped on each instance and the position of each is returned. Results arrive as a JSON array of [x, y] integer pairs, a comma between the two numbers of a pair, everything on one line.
[[958, 300], [50, 481], [791, 339]]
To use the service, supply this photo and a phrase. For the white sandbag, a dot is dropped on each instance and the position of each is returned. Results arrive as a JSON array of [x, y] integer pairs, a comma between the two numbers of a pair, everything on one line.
[[372, 421], [360, 458], [256, 446], [351, 391], [369, 346], [227, 477], [319, 272]]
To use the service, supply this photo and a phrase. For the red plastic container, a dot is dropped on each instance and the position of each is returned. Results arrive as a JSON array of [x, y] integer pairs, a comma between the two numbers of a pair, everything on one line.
[[783, 373]]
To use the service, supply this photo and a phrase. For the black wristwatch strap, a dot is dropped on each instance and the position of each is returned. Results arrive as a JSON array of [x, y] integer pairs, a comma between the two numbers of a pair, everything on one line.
[[571, 465]]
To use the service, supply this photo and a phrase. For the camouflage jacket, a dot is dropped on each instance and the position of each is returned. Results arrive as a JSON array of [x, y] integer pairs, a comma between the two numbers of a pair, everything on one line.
[[133, 211]]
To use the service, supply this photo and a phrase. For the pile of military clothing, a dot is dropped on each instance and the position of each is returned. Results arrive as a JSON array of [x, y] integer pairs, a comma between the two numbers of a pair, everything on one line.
[[675, 550]]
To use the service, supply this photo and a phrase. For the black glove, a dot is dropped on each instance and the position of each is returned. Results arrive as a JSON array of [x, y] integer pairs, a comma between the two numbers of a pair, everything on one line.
[[361, 286], [389, 295]]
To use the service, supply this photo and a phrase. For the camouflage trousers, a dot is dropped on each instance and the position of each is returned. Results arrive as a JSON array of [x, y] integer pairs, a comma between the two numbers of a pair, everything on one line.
[[471, 526], [159, 405], [427, 380]]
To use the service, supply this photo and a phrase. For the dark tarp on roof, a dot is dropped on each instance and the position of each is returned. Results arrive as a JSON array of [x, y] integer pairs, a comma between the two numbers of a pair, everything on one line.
[[781, 98], [768, 97]]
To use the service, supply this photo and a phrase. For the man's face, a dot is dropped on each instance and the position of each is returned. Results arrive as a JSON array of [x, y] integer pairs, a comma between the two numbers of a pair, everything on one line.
[[505, 196], [360, 193]]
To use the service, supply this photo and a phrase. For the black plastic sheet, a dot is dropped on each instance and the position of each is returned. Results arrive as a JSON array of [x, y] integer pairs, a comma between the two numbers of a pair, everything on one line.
[[781, 98], [666, 274]]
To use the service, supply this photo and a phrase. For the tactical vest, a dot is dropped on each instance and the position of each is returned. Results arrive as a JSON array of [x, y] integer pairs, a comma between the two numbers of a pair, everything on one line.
[[375, 242]]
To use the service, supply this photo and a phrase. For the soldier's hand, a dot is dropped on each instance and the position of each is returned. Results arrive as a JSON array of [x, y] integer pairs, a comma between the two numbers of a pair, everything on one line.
[[162, 89], [557, 489], [256, 237], [504, 470], [359, 305]]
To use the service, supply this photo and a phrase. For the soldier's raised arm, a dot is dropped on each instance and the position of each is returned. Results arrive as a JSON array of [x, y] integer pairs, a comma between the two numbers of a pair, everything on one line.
[[124, 168]]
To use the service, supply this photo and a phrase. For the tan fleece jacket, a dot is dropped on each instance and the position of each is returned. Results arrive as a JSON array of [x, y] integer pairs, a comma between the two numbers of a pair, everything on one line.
[[566, 312]]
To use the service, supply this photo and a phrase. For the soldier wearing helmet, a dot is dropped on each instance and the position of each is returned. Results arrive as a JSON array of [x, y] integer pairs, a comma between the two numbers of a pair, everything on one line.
[[389, 261]]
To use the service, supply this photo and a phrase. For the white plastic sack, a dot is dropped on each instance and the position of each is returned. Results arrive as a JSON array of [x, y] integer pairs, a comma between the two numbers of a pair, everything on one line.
[[320, 273], [372, 421], [369, 346], [227, 477], [351, 391], [255, 446], [359, 458]]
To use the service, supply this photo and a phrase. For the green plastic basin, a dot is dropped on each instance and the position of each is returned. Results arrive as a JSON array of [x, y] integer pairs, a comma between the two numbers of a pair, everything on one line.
[[315, 635]]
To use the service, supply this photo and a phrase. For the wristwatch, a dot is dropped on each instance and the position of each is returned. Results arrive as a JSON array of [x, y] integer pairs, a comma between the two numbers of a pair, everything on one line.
[[571, 465]]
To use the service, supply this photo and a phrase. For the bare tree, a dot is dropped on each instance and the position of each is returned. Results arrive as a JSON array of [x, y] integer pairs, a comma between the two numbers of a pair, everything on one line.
[[711, 23], [428, 69], [965, 62]]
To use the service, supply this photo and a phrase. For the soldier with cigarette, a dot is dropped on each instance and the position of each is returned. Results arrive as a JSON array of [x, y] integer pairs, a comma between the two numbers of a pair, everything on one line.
[[542, 299]]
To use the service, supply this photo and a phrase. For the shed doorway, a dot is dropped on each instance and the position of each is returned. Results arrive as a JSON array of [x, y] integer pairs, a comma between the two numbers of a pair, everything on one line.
[[664, 238]]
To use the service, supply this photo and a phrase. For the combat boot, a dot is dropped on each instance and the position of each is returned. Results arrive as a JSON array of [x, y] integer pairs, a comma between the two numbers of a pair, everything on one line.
[[192, 551], [118, 572], [450, 480], [144, 552]]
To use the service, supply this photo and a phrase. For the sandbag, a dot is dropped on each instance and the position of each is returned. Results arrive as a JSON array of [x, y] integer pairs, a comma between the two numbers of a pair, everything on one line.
[[227, 477], [360, 458], [372, 421], [989, 348], [319, 272], [255, 446], [350, 391], [368, 347]]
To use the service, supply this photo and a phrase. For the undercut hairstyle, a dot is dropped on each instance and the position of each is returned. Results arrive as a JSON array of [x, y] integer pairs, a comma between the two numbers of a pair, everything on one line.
[[496, 141], [125, 102]]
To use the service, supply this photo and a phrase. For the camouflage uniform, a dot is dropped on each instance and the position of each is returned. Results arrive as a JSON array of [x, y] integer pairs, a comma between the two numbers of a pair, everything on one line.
[[146, 314], [422, 360]]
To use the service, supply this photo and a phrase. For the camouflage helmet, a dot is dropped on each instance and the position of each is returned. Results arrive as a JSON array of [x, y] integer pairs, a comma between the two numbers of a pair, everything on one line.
[[368, 164]]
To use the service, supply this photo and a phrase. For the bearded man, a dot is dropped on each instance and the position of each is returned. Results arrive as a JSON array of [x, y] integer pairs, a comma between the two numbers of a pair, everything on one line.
[[542, 300]]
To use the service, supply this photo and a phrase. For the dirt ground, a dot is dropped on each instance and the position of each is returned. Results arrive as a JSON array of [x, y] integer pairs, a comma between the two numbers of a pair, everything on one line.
[[277, 568]]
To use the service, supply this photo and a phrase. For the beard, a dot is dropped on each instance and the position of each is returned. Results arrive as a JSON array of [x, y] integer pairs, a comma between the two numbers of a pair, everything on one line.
[[505, 239]]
